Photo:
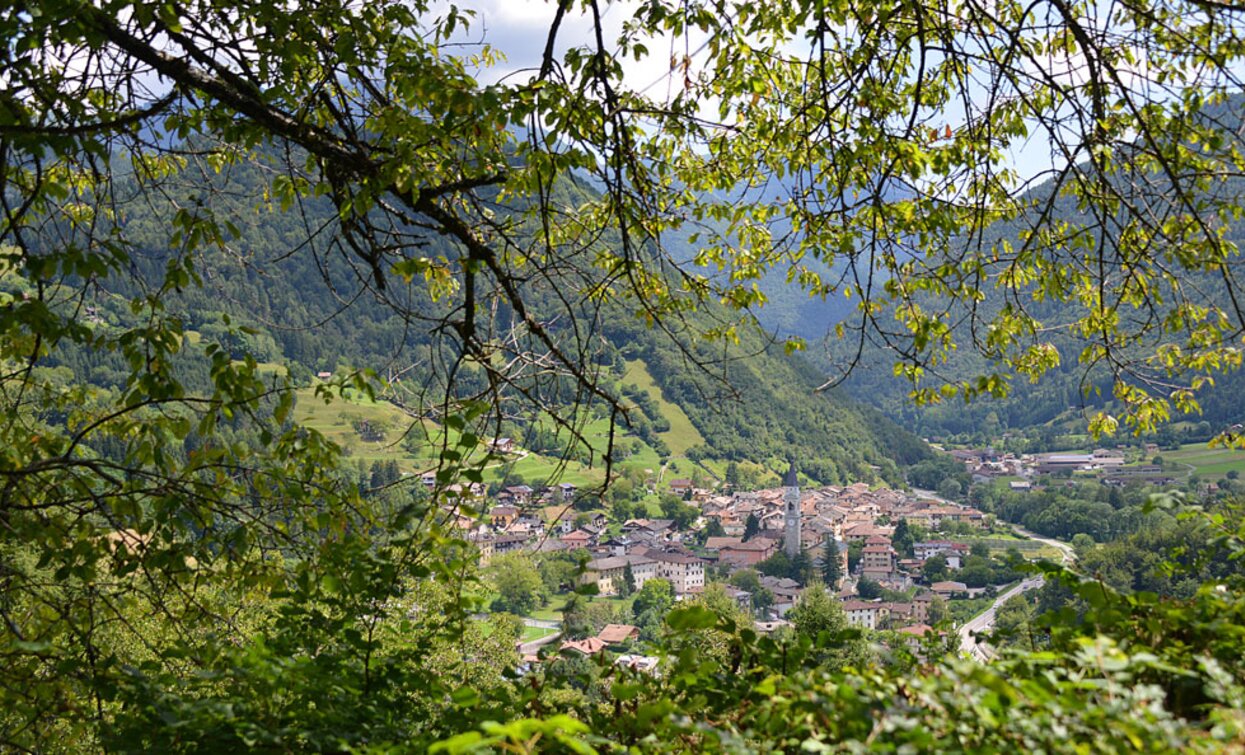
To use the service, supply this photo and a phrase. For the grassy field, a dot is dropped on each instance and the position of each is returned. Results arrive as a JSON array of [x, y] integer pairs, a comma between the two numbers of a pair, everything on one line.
[[535, 633], [553, 611], [336, 422], [535, 467], [1030, 549], [1208, 463], [682, 434], [268, 368]]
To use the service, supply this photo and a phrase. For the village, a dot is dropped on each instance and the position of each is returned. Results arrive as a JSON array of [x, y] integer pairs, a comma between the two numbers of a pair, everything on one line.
[[1115, 467], [900, 555]]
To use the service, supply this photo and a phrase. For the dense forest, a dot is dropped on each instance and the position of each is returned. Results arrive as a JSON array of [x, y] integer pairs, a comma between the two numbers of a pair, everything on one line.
[[314, 314]]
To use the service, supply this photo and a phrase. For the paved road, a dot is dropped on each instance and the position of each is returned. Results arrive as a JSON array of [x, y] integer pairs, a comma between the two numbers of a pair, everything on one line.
[[530, 648], [983, 622], [541, 623], [527, 621], [1069, 555]]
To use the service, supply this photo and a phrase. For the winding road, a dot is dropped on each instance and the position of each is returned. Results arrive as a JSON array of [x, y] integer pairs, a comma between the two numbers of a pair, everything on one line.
[[530, 648], [983, 622]]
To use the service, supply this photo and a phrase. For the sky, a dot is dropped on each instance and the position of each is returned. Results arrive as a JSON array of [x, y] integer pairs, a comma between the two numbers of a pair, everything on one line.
[[520, 29]]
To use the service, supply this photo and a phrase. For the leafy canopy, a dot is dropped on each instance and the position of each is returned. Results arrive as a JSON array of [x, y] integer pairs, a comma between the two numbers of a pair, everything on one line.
[[176, 549]]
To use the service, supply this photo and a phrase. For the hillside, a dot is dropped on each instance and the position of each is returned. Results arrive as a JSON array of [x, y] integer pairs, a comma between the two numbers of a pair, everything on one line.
[[695, 407], [1054, 411]]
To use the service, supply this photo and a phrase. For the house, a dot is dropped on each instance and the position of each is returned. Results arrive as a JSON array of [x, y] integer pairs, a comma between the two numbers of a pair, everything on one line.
[[863, 531], [883, 577], [683, 570], [510, 543], [475, 491], [577, 539], [717, 543], [681, 486], [616, 546], [954, 553], [598, 520], [786, 594], [920, 606], [645, 664], [740, 554], [501, 517], [959, 514], [617, 634], [520, 494], [948, 589], [652, 531], [485, 547], [742, 598], [861, 613], [880, 558], [566, 491], [643, 568], [549, 545], [899, 613], [915, 634], [1056, 463], [531, 520], [502, 445], [774, 521], [606, 573], [595, 532], [590, 646]]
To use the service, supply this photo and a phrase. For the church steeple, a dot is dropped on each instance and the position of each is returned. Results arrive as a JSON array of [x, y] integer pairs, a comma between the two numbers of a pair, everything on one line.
[[792, 480], [791, 513]]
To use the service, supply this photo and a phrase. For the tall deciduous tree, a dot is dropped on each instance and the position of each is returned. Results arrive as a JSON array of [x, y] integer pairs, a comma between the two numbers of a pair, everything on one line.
[[519, 586], [902, 539], [820, 617]]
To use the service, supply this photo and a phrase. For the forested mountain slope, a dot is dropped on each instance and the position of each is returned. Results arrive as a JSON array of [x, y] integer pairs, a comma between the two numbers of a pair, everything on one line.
[[324, 312], [1070, 392]]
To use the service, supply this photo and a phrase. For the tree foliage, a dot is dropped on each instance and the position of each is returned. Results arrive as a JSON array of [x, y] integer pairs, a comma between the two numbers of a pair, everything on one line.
[[520, 588], [185, 567], [831, 564]]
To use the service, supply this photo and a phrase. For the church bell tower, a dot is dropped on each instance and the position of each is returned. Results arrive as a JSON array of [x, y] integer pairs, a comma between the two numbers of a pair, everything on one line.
[[791, 507]]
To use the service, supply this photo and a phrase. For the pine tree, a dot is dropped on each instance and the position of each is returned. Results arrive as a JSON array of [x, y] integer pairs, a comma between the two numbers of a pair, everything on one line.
[[802, 570], [628, 584], [902, 539], [751, 527], [831, 567]]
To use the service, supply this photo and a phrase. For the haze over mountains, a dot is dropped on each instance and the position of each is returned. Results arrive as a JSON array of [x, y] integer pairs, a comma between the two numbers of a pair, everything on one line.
[[1069, 393]]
